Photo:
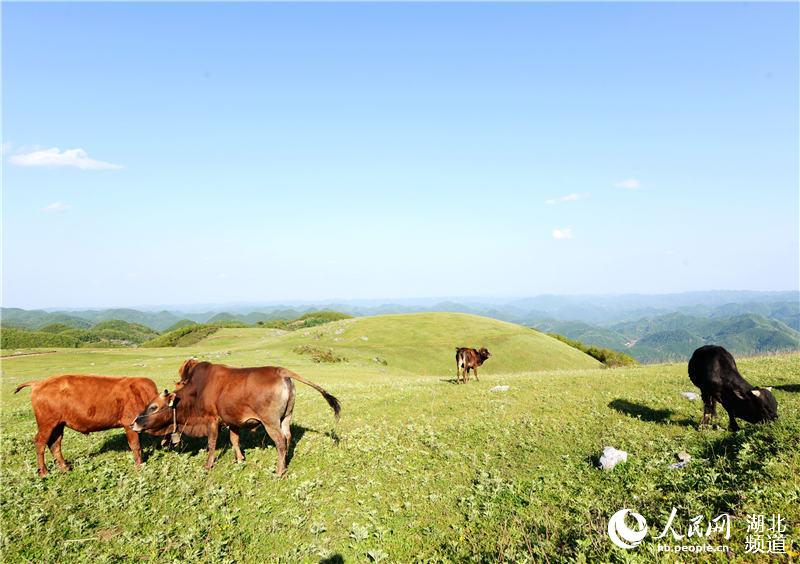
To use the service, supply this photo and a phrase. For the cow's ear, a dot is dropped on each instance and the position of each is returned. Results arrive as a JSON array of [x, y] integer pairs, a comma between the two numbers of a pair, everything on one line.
[[756, 393], [185, 370]]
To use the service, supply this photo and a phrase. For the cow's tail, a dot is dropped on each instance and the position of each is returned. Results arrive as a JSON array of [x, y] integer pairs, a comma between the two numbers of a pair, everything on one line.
[[459, 359], [25, 385], [332, 401]]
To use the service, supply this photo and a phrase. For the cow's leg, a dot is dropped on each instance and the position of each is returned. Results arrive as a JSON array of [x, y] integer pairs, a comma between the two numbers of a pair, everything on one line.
[[274, 432], [42, 440], [55, 447], [475, 370], [133, 442], [733, 426], [213, 430], [286, 422], [235, 442], [40, 458], [458, 370], [709, 408]]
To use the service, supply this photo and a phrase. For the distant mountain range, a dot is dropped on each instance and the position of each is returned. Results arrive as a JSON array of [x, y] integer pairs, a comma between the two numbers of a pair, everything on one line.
[[674, 336], [650, 328]]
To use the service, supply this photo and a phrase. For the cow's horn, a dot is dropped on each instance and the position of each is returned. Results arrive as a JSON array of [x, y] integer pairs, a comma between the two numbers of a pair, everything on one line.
[[756, 393]]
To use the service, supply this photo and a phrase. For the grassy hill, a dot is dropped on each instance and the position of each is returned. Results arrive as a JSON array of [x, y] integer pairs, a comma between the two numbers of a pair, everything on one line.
[[418, 343], [424, 343], [424, 470]]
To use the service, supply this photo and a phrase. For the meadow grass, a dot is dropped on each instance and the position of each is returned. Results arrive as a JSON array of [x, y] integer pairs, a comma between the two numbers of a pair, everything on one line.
[[417, 469]]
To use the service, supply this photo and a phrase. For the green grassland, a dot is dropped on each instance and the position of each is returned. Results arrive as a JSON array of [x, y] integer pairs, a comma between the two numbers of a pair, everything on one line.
[[417, 469]]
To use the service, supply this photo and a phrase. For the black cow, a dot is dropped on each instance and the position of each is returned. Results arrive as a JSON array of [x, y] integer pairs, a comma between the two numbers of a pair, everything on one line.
[[713, 370]]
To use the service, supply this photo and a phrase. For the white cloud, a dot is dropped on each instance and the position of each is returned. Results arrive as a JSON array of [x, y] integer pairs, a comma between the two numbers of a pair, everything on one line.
[[565, 233], [567, 198], [56, 207], [629, 184], [56, 157]]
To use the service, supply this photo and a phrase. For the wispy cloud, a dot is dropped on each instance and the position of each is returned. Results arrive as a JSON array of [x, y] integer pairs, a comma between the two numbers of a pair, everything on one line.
[[56, 207], [565, 233], [629, 184], [77, 158], [562, 199]]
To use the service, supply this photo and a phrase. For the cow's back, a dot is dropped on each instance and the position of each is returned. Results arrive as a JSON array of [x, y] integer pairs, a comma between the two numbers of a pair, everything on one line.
[[92, 403], [710, 366], [224, 384]]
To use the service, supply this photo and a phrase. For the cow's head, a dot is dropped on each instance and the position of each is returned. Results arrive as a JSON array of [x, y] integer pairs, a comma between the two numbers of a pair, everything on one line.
[[484, 353], [185, 371], [157, 415], [757, 405]]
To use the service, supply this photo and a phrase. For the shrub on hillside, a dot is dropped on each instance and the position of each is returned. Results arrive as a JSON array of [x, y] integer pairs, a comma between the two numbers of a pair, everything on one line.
[[310, 319], [22, 339], [182, 337], [180, 325], [123, 332], [55, 328], [319, 355], [609, 357]]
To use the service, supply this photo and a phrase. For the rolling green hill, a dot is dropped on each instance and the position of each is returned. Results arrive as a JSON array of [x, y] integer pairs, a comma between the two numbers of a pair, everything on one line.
[[424, 343]]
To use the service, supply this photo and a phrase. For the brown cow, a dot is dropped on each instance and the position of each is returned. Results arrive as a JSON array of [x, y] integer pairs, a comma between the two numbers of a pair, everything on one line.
[[86, 404], [209, 394], [469, 359]]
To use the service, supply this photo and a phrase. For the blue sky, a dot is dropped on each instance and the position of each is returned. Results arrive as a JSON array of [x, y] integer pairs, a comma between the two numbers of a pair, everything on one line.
[[186, 153]]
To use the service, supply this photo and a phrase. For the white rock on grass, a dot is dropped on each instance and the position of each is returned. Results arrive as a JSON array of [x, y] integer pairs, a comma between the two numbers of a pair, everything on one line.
[[611, 457], [499, 389], [683, 459], [691, 396]]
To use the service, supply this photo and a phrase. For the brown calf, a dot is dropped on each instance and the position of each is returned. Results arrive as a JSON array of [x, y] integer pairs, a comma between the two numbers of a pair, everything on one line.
[[208, 395], [469, 359], [86, 404]]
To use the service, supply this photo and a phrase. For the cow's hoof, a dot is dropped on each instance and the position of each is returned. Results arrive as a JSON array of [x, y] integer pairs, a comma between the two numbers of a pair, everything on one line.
[[43, 473]]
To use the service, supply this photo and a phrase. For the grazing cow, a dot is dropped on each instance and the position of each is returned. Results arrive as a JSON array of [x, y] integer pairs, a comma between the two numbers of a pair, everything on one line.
[[713, 370], [209, 394], [86, 404], [469, 359]]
